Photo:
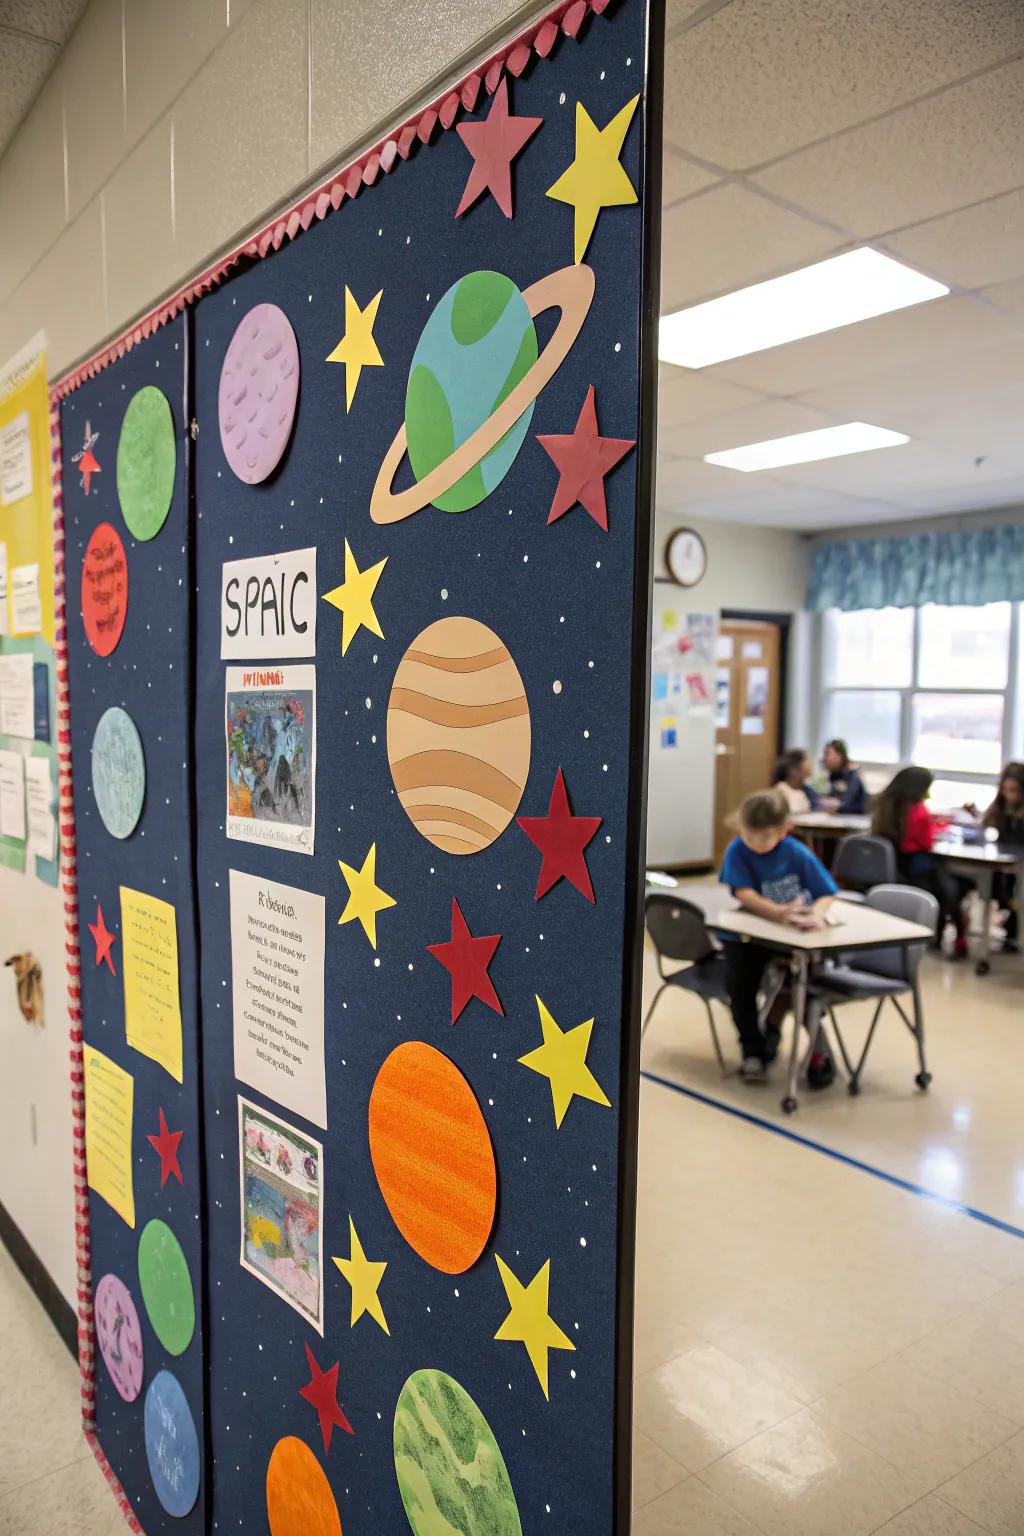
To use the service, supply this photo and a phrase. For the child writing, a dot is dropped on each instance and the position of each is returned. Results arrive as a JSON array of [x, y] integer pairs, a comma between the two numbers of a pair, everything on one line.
[[1005, 817], [774, 876], [900, 815]]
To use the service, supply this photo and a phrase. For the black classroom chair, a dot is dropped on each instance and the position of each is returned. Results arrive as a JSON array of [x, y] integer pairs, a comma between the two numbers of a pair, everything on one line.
[[679, 932], [863, 862]]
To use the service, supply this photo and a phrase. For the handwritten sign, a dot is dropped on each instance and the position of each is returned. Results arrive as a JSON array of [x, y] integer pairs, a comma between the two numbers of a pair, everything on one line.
[[109, 1101], [268, 606], [104, 589], [15, 460], [152, 1000]]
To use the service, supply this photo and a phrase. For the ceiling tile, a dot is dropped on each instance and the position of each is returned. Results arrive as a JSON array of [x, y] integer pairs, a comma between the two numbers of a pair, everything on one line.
[[681, 178], [962, 145], [52, 19], [941, 329], [761, 78], [884, 475], [753, 424], [972, 247], [683, 480], [890, 397], [728, 237], [975, 496], [685, 396], [24, 65], [1007, 297]]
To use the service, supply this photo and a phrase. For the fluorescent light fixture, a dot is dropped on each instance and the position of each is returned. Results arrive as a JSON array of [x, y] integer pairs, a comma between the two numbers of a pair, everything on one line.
[[831, 293], [805, 447]]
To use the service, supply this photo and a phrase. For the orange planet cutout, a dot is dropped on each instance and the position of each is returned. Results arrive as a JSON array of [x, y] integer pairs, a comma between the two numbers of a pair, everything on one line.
[[432, 1155], [299, 1497]]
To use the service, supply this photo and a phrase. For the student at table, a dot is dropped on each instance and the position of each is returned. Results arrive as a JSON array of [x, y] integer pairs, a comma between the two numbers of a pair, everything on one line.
[[845, 792], [900, 815], [776, 877], [791, 777], [1005, 817]]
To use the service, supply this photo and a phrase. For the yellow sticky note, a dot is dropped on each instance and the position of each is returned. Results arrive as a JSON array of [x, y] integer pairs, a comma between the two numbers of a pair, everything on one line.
[[149, 959], [109, 1099]]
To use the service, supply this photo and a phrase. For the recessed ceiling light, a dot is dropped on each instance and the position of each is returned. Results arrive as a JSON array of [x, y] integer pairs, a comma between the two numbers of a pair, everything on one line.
[[829, 294], [805, 447]]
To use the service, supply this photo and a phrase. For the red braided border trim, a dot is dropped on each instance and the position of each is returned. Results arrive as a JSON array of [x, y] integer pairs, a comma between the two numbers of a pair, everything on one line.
[[565, 19], [112, 1479]]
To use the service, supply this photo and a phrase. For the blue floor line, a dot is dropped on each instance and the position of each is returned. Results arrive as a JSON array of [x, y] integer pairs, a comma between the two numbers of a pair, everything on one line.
[[839, 1157]]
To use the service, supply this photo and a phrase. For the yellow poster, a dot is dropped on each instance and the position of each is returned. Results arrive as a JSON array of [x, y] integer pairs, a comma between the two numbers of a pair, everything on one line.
[[149, 957], [26, 504], [109, 1099]]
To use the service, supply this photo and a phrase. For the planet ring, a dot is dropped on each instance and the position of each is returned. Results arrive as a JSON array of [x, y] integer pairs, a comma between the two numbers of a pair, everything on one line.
[[572, 290]]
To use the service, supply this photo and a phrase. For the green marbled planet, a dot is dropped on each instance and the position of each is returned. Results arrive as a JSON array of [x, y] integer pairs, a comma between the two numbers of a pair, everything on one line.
[[451, 1474]]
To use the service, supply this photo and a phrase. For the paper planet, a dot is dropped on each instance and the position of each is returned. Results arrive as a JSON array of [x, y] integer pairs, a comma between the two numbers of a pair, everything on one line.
[[299, 1497], [172, 1446], [451, 1474], [104, 589], [432, 1154], [166, 1287], [475, 375], [458, 731], [119, 1336], [146, 460], [259, 385], [118, 772]]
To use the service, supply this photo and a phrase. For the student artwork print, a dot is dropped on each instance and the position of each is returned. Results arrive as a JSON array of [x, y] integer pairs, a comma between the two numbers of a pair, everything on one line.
[[281, 1175], [270, 726]]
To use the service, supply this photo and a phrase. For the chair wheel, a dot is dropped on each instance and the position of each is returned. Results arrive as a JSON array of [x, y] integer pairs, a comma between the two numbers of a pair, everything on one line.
[[923, 1079], [982, 968], [853, 1088], [788, 1105]]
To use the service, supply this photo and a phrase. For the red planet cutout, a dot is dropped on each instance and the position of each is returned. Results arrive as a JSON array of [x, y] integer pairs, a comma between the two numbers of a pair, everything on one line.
[[433, 1158], [104, 589]]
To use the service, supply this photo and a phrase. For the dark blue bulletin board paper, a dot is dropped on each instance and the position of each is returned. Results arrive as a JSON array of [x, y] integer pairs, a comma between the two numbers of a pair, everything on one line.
[[561, 598], [148, 674]]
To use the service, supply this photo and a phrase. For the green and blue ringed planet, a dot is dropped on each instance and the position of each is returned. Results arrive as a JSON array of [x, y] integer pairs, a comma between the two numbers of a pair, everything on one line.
[[475, 375]]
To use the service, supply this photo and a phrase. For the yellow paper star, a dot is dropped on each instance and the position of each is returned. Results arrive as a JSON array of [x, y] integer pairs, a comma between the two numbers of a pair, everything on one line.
[[364, 1276], [528, 1322], [595, 179], [563, 1060], [355, 599], [357, 348], [365, 897]]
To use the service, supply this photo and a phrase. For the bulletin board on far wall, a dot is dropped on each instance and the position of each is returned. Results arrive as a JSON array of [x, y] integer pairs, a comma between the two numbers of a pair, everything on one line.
[[128, 550], [422, 498]]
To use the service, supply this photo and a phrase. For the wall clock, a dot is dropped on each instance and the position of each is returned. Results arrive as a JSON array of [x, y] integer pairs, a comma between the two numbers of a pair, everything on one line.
[[686, 557]]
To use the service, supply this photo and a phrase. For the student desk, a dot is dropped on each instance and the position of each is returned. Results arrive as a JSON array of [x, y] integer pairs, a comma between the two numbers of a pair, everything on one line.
[[981, 863], [857, 928]]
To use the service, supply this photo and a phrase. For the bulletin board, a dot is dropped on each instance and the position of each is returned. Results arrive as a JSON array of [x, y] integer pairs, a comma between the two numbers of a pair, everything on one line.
[[419, 1240], [129, 561]]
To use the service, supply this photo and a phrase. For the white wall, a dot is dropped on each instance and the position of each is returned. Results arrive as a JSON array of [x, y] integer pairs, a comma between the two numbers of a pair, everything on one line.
[[167, 130], [757, 569]]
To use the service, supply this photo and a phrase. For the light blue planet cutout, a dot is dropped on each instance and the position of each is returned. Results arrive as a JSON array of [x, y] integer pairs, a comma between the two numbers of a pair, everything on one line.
[[118, 772], [172, 1446]]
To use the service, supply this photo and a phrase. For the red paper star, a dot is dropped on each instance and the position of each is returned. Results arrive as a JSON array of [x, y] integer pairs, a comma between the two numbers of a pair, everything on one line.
[[583, 459], [104, 940], [166, 1147], [494, 144], [466, 959], [561, 838], [322, 1391]]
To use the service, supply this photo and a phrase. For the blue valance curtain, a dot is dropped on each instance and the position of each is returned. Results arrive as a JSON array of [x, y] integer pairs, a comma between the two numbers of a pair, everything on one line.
[[985, 565]]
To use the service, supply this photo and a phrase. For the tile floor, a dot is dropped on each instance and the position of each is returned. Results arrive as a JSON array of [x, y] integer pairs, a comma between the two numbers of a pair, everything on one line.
[[818, 1353]]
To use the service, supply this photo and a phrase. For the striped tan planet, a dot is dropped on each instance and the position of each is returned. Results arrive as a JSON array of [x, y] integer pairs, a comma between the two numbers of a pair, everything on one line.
[[459, 735]]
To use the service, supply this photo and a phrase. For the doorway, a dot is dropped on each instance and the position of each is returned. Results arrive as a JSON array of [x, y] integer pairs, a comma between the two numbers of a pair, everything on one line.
[[750, 696]]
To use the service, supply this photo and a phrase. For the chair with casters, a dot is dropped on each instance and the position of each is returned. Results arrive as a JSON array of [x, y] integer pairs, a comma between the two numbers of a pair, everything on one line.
[[862, 862], [679, 933], [881, 976]]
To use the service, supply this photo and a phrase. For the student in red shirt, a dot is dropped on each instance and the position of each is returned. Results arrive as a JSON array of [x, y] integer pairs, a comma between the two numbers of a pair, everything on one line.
[[900, 815]]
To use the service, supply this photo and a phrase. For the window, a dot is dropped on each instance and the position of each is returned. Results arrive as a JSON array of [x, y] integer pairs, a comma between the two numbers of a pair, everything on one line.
[[933, 686]]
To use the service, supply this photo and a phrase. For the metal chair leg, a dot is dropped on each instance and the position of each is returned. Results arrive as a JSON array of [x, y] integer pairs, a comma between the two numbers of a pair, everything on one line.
[[647, 1015], [714, 1039], [923, 1077]]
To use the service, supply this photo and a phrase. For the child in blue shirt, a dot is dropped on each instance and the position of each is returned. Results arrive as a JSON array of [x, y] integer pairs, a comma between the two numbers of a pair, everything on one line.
[[776, 877]]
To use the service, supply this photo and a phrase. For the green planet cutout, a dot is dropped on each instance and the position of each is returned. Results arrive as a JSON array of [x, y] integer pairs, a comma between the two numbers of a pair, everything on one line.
[[451, 1474], [146, 459], [166, 1287]]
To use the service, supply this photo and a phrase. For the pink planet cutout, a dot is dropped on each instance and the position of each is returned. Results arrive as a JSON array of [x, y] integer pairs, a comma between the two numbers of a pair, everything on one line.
[[119, 1336], [259, 384]]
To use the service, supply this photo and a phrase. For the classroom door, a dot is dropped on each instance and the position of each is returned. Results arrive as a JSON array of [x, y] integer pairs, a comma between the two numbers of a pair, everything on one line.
[[748, 693]]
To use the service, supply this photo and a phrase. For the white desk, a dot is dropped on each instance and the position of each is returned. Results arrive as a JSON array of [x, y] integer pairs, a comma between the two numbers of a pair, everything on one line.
[[858, 928], [981, 862], [825, 824]]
